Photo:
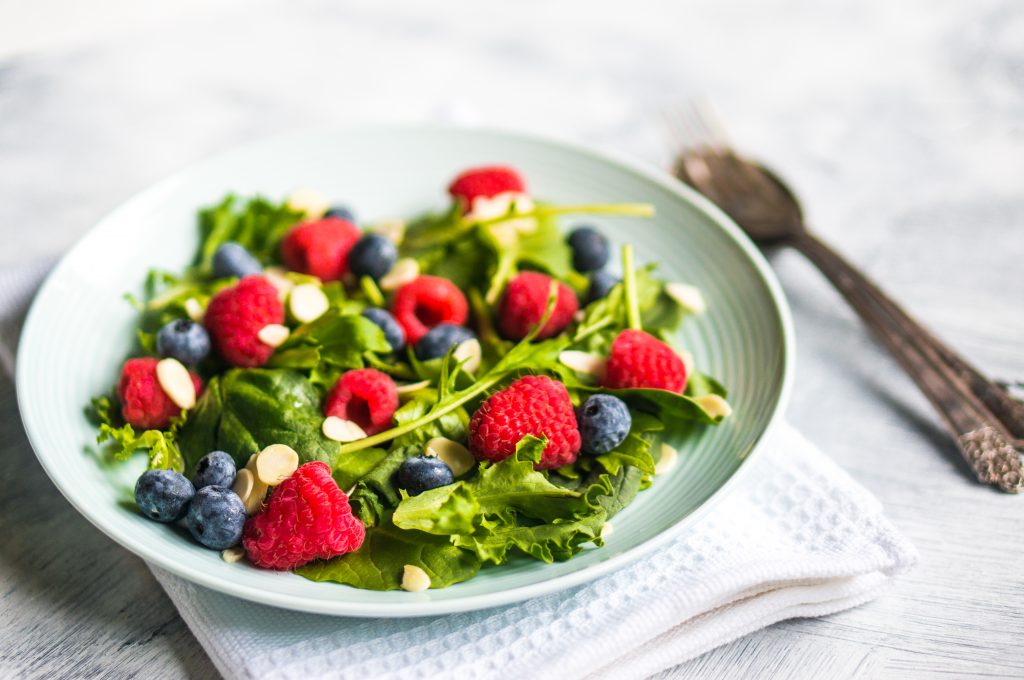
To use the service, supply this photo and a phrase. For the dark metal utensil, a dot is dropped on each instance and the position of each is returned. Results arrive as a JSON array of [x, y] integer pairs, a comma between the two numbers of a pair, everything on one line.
[[986, 422]]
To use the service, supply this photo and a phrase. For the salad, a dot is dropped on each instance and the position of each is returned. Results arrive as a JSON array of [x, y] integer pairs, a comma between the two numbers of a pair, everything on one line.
[[401, 404]]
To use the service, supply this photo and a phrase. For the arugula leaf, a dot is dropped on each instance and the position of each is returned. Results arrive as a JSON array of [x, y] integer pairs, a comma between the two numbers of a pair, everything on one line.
[[376, 493], [380, 561], [250, 409], [350, 469], [258, 225], [159, 444]]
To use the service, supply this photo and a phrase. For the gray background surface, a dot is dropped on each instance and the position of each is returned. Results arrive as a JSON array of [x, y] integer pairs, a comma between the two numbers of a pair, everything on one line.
[[901, 125]]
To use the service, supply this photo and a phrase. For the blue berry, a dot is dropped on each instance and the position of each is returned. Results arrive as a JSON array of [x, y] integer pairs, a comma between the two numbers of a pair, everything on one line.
[[601, 283], [341, 211], [422, 473], [163, 495], [184, 340], [604, 423], [373, 255], [232, 259], [440, 339], [589, 249], [216, 517], [215, 469], [393, 330]]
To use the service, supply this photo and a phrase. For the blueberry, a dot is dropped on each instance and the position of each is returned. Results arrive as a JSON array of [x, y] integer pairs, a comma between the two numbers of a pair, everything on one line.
[[341, 211], [589, 249], [601, 283], [232, 259], [163, 495], [422, 473], [373, 255], [184, 340], [440, 339], [393, 330], [604, 423], [215, 469], [216, 517]]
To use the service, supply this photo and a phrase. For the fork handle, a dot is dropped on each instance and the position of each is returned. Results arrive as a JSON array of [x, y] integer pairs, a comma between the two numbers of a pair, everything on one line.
[[969, 403]]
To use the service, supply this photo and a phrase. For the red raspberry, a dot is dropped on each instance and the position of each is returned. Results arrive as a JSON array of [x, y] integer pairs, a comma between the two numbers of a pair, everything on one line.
[[144, 404], [320, 248], [534, 404], [367, 397], [235, 315], [523, 304], [639, 359], [485, 181], [425, 302], [307, 517]]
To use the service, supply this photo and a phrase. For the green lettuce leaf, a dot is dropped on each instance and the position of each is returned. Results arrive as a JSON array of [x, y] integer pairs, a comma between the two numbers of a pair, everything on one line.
[[257, 224], [160, 445]]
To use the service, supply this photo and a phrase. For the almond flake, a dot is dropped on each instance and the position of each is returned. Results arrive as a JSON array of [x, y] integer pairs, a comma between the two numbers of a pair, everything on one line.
[[393, 230], [309, 202], [340, 430], [412, 387], [714, 405], [414, 579], [273, 335], [176, 383], [276, 463], [470, 352], [667, 461], [276, 276], [194, 309], [688, 296], [307, 302], [232, 555], [244, 482], [453, 454], [404, 271], [584, 362], [607, 530]]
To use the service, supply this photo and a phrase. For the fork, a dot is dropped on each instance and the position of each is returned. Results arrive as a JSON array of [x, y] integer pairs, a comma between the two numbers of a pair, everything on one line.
[[984, 420]]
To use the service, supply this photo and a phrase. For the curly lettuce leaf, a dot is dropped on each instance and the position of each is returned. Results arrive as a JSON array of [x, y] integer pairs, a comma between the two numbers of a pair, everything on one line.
[[160, 445]]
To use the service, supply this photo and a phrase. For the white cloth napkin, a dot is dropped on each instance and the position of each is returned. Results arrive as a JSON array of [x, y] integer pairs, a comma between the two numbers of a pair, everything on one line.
[[797, 537]]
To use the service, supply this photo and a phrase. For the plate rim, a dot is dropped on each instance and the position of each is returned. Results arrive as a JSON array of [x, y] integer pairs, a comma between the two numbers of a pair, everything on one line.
[[412, 608]]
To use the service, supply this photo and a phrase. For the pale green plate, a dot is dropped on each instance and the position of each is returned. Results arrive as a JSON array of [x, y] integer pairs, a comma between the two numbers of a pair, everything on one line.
[[80, 327]]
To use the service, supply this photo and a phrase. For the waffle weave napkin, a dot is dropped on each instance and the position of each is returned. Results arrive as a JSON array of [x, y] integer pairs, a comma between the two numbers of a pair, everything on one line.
[[797, 537]]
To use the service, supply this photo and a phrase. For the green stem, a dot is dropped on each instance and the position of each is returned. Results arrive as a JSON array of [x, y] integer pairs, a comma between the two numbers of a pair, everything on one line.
[[629, 283], [372, 292], [616, 209]]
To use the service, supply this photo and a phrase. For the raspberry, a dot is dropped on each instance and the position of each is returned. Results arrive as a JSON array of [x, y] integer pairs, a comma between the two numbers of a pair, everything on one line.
[[367, 397], [235, 316], [320, 248], [307, 518], [144, 404], [524, 302], [639, 359], [535, 405], [485, 181], [425, 302]]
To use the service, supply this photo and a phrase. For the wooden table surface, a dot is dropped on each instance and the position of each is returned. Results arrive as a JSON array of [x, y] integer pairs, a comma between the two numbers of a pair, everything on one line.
[[900, 124]]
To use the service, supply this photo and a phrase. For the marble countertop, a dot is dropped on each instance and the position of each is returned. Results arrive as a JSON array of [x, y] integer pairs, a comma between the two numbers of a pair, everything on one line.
[[901, 125]]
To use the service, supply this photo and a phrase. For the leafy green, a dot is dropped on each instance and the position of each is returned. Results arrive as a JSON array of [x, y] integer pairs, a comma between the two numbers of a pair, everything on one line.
[[380, 561], [257, 224], [159, 444], [376, 493]]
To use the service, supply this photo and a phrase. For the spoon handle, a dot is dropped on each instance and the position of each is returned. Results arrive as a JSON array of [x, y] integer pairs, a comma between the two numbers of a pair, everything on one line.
[[983, 418]]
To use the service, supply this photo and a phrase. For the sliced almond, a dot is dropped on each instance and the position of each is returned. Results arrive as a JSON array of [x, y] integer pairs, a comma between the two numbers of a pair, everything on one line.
[[244, 482], [414, 579], [307, 302], [273, 335], [607, 530], [277, 277], [471, 353], [232, 555], [393, 230], [667, 461], [250, 489], [254, 503], [194, 309], [276, 463], [584, 362], [714, 405], [688, 296], [176, 382], [341, 430], [412, 387], [309, 202], [688, 361], [405, 270], [455, 455]]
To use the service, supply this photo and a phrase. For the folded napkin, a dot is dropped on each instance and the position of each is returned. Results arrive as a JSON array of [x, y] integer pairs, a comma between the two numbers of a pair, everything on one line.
[[796, 537]]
